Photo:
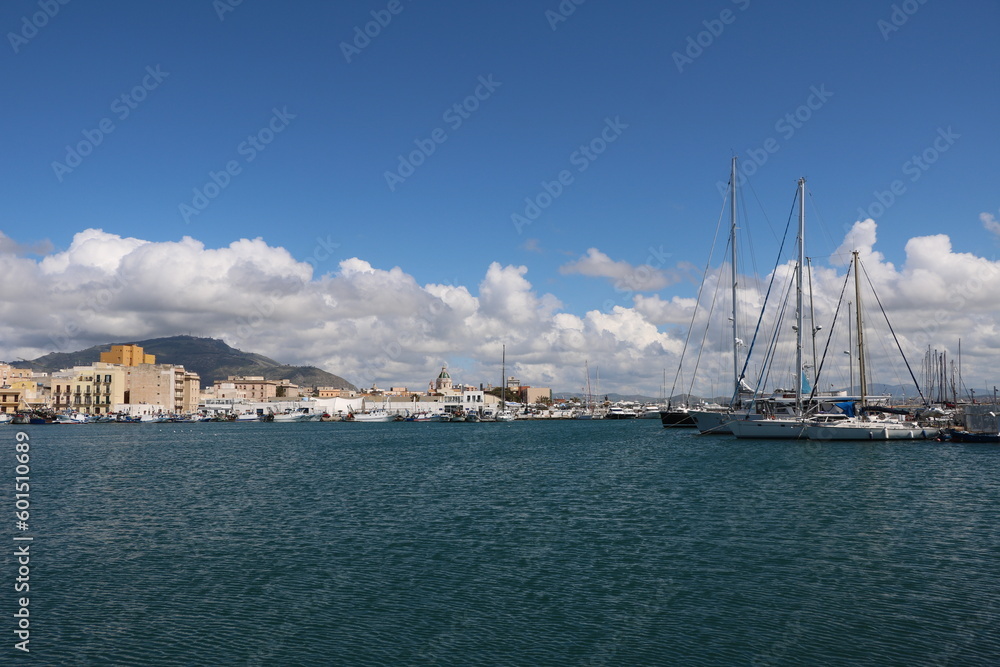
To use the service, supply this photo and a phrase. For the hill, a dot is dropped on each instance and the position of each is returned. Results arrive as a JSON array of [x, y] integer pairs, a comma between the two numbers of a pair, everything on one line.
[[210, 358]]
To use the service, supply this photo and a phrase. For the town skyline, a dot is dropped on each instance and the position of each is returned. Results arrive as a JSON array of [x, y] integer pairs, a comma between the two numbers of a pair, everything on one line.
[[384, 188]]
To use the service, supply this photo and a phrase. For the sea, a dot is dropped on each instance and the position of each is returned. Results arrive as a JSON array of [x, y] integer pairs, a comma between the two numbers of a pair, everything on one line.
[[524, 543]]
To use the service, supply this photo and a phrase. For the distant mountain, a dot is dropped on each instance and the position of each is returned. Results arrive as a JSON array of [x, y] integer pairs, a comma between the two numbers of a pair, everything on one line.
[[210, 358], [614, 398]]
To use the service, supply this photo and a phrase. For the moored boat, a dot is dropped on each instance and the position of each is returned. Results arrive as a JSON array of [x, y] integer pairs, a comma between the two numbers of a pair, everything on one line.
[[379, 415], [676, 418], [619, 412]]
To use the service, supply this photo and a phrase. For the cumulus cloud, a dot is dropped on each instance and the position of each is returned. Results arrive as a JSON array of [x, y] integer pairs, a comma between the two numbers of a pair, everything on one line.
[[366, 323], [378, 324], [624, 276]]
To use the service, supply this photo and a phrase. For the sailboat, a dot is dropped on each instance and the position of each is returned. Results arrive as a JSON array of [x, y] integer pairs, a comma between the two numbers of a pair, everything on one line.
[[765, 423], [715, 419], [504, 415], [588, 408], [867, 426]]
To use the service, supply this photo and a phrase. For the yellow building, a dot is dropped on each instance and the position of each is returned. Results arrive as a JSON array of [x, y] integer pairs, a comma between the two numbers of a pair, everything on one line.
[[33, 394], [127, 355], [92, 390], [10, 400]]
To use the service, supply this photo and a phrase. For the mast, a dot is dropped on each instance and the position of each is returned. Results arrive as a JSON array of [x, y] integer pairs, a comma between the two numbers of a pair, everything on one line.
[[503, 374], [732, 265], [812, 322], [960, 385], [849, 352], [861, 334], [798, 296]]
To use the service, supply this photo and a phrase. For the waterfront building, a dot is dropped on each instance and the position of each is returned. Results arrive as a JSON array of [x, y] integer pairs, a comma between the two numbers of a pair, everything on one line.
[[10, 400], [9, 374], [162, 384], [535, 394], [34, 393], [259, 389], [92, 390], [334, 392]]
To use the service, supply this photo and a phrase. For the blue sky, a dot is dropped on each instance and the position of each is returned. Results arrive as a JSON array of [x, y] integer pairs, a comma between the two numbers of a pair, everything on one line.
[[873, 86]]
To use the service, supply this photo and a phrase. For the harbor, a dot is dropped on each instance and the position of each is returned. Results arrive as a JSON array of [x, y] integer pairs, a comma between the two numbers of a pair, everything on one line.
[[563, 543]]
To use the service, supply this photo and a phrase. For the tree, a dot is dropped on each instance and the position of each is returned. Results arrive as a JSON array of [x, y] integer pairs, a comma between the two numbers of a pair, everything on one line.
[[497, 391]]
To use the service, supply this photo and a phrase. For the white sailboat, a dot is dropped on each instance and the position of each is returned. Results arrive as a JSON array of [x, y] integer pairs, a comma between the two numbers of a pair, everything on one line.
[[503, 415], [867, 426], [764, 423], [588, 407], [713, 419]]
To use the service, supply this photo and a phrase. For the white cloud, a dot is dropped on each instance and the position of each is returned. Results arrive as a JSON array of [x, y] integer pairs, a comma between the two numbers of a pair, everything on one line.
[[990, 223], [373, 324], [362, 322], [624, 276]]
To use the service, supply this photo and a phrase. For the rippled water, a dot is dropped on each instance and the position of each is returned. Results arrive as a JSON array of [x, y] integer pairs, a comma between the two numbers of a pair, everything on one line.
[[566, 543]]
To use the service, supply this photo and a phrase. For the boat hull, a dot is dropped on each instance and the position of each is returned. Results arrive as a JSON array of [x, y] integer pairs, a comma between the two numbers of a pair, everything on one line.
[[882, 432], [712, 422], [769, 429], [963, 436], [677, 419]]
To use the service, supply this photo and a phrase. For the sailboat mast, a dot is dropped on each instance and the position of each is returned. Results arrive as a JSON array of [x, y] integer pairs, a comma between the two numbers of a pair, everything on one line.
[[812, 323], [798, 296], [503, 377], [590, 396], [861, 334], [732, 266]]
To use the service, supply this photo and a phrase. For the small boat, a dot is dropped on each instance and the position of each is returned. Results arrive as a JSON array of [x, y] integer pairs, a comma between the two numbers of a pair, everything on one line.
[[651, 413], [378, 415], [292, 416], [72, 418], [618, 412], [5, 418], [965, 436]]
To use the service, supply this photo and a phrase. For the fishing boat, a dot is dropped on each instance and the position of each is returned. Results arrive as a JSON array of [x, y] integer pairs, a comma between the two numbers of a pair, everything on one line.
[[71, 418], [378, 415]]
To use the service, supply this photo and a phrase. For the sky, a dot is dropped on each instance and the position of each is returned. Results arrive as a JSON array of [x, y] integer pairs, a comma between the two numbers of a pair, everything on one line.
[[384, 188]]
